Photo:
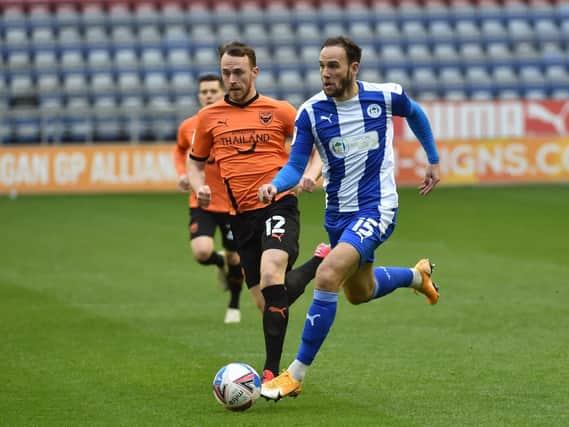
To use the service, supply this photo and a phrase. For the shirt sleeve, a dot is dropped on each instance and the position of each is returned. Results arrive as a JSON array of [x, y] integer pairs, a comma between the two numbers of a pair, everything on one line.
[[400, 102], [202, 142], [302, 142], [180, 152], [419, 124]]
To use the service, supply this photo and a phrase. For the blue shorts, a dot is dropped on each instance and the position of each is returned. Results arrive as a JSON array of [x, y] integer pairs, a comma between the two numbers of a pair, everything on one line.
[[364, 230]]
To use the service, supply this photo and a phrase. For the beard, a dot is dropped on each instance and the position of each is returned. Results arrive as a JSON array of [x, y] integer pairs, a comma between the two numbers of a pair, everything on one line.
[[342, 88], [240, 94]]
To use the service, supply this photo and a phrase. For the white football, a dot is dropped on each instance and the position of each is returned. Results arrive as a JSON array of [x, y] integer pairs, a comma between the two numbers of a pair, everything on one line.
[[236, 386]]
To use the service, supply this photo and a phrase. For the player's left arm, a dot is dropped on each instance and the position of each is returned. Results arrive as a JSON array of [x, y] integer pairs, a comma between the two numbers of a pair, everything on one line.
[[418, 121], [312, 173]]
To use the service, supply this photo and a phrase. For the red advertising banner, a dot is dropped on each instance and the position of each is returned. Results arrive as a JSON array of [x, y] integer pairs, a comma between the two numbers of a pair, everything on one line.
[[492, 119]]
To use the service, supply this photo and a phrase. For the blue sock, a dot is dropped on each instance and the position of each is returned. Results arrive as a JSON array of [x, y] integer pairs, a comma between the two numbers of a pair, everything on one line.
[[318, 322], [387, 279]]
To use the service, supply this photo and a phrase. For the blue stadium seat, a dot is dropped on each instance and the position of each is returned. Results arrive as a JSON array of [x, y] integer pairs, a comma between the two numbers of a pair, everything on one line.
[[93, 14]]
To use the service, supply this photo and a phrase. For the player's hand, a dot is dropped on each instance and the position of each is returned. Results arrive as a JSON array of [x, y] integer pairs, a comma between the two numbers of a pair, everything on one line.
[[267, 193], [432, 178], [306, 183], [184, 183], [204, 196]]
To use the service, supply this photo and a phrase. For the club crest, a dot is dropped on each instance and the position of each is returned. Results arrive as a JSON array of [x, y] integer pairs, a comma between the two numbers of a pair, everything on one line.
[[266, 117]]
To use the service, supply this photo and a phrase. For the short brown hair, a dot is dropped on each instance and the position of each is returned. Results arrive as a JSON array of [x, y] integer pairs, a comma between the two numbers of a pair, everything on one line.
[[353, 51], [238, 49]]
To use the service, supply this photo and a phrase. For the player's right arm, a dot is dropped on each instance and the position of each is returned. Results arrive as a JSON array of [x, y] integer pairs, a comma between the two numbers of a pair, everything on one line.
[[291, 173], [180, 153]]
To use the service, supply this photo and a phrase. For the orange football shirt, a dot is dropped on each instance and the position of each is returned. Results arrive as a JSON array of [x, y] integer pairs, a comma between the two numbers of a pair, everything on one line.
[[248, 143], [184, 140]]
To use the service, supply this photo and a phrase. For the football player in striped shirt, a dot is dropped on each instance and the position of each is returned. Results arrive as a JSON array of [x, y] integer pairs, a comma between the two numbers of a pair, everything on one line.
[[350, 123]]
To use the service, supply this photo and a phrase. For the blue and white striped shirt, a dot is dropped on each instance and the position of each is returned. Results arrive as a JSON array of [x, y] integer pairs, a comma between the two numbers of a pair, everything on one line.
[[354, 139]]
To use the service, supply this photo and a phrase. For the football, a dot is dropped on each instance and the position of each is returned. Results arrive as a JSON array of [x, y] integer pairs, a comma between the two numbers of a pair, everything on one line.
[[236, 386]]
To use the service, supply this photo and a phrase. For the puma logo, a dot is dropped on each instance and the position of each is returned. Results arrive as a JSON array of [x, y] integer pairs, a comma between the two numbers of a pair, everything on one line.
[[277, 236], [278, 310], [540, 112], [327, 118], [222, 122], [312, 318]]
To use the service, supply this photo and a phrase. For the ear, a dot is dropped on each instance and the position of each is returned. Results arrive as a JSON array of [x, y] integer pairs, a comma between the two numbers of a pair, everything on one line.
[[255, 71], [355, 67]]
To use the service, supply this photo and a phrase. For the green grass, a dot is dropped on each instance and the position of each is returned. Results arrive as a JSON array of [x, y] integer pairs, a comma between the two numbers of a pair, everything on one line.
[[105, 320]]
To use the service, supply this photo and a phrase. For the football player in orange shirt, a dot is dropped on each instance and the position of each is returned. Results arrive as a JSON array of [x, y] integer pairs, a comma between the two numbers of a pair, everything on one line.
[[247, 133], [205, 220]]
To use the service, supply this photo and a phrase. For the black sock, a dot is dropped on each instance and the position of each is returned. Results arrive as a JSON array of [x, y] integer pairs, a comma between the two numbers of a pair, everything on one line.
[[235, 282], [215, 258], [296, 280], [275, 321]]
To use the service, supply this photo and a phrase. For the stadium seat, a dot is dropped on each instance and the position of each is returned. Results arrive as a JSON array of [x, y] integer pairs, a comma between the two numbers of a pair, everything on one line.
[[445, 55], [424, 81], [505, 79], [39, 15], [313, 81], [96, 37], [66, 15], [14, 17], [126, 60], [72, 60], [42, 37], [291, 81], [16, 38], [151, 59], [45, 61], [172, 14], [361, 32], [520, 30], [103, 84], [48, 83], [149, 36], [228, 33], [282, 33], [332, 29], [120, 15], [18, 61], [387, 33], [145, 15], [278, 11], [370, 75], [440, 32], [467, 31], [129, 83], [26, 126], [93, 14], [179, 59], [99, 60], [69, 38], [400, 76], [250, 13]]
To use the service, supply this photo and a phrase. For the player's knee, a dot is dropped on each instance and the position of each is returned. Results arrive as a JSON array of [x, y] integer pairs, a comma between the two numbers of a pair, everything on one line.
[[272, 272], [201, 255], [232, 258], [327, 279]]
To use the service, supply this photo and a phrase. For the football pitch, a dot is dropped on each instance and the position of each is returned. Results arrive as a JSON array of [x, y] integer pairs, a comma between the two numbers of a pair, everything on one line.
[[105, 320]]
